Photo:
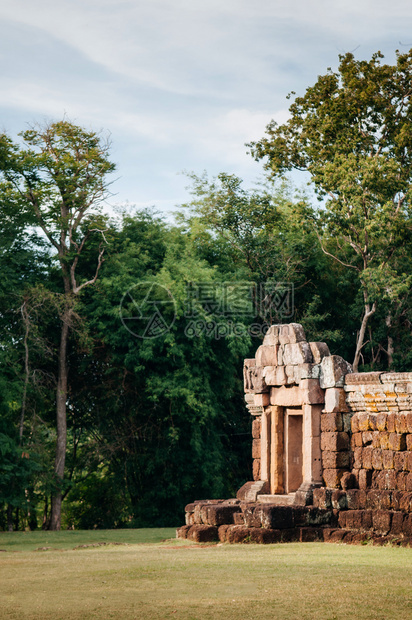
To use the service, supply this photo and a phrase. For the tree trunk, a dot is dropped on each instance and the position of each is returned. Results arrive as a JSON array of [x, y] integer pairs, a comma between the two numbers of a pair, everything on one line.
[[369, 311], [390, 348], [9, 518], [61, 424]]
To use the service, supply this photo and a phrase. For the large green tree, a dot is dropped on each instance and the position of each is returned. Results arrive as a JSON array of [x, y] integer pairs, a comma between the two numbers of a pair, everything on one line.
[[352, 131], [57, 179]]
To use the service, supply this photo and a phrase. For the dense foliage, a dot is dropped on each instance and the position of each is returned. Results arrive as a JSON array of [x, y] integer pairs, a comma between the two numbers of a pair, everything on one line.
[[161, 315]]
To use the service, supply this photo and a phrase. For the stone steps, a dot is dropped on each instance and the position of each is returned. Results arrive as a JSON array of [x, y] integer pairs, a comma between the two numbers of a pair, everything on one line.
[[277, 500]]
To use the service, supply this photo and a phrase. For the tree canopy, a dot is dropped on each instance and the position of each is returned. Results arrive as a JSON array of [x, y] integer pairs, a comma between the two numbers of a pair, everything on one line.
[[352, 132]]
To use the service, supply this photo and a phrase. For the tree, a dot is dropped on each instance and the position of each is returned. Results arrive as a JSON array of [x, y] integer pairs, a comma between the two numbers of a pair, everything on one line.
[[352, 132], [168, 418], [58, 182]]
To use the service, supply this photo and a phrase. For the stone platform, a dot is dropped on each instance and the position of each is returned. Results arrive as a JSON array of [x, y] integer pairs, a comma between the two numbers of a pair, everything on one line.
[[336, 516]]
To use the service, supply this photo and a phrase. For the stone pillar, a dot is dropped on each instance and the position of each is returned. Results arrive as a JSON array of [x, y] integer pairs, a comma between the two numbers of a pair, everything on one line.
[[277, 448], [312, 458], [265, 445]]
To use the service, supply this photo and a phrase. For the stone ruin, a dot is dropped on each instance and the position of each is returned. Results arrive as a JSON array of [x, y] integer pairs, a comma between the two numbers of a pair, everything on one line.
[[331, 450]]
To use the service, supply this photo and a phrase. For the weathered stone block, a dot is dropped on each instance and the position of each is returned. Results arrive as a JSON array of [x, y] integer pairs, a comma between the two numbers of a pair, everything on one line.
[[343, 518], [202, 533], [267, 355], [297, 353], [354, 423], [274, 375], [409, 442], [377, 459], [249, 517], [367, 458], [353, 520], [286, 396], [363, 422], [331, 422], [316, 516], [335, 400], [388, 479], [388, 459], [250, 490], [352, 498], [333, 536], [256, 380], [409, 421], [356, 441], [290, 374], [181, 532], [376, 439], [391, 422], [379, 500], [381, 422], [319, 351], [367, 438], [339, 500], [397, 442], [397, 523], [384, 440], [401, 425], [396, 377], [381, 521], [221, 514], [256, 427], [311, 393], [400, 461], [272, 336], [306, 371], [237, 534], [366, 520], [405, 502], [365, 478], [276, 517], [335, 460], [346, 419], [357, 458], [409, 461], [401, 480], [261, 400], [262, 536], [332, 477], [335, 442], [363, 378], [322, 498], [248, 365], [333, 370], [256, 448], [409, 482], [256, 469], [289, 334], [222, 532], [238, 518], [280, 355]]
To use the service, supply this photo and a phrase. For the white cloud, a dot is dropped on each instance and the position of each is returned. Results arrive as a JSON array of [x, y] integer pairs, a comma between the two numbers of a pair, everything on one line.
[[182, 83]]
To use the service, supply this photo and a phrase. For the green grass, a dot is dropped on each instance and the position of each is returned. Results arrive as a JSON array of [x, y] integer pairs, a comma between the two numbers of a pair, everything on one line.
[[32, 541], [177, 579]]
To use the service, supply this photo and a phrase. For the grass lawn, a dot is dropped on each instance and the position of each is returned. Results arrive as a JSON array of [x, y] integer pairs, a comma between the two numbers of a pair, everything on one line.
[[146, 578]]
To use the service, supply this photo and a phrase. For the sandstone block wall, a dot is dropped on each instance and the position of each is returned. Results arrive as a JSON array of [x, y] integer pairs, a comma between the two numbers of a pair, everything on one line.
[[381, 429]]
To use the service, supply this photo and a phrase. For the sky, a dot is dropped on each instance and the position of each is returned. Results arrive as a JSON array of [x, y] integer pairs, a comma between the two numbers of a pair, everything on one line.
[[180, 85]]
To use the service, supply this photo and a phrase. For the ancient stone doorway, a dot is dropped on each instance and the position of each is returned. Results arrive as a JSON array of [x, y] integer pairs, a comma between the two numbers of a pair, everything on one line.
[[293, 453]]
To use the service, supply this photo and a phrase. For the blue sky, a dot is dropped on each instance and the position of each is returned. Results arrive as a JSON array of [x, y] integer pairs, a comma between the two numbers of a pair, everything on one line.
[[179, 84]]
